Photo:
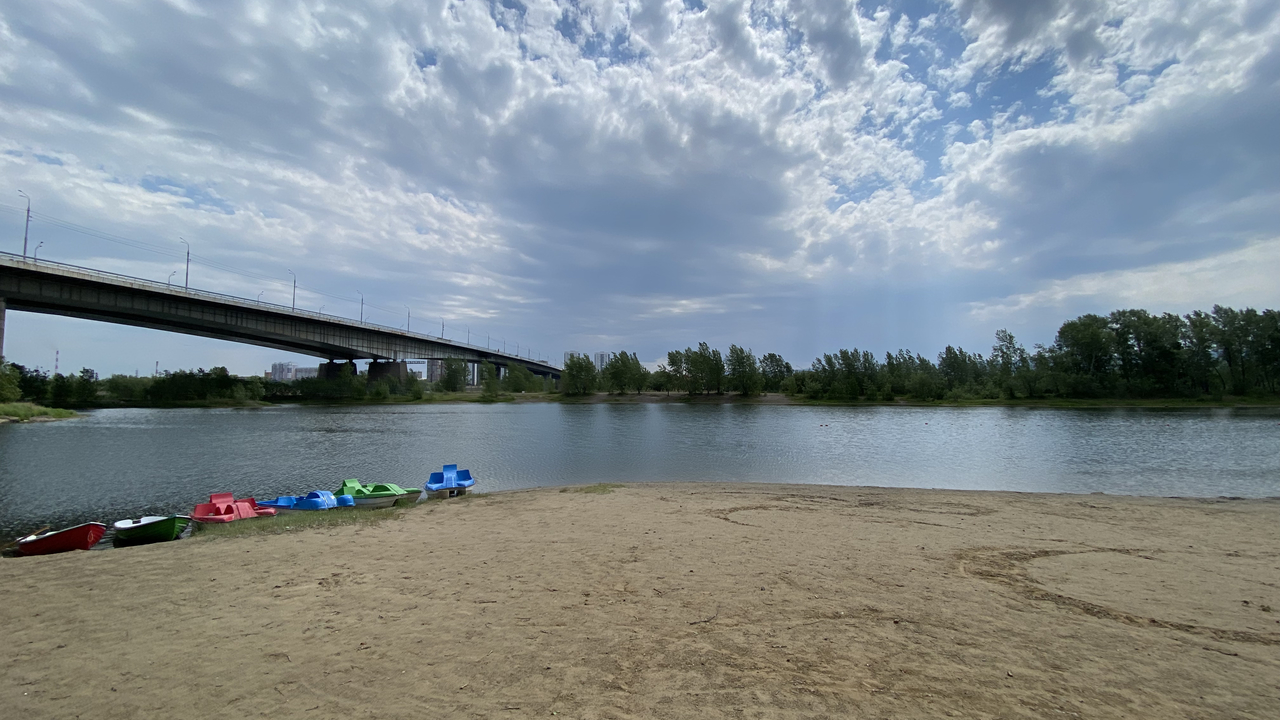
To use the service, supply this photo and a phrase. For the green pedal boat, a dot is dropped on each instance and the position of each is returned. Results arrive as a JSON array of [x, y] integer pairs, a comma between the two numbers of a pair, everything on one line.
[[378, 495], [150, 529]]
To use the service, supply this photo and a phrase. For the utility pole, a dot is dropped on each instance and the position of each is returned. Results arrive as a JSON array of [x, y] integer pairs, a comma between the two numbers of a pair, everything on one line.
[[441, 328], [468, 334], [186, 283], [361, 305], [26, 229], [294, 304], [406, 318]]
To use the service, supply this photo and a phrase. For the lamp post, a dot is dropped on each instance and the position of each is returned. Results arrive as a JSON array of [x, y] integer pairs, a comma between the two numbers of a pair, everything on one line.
[[170, 280], [468, 334], [260, 295], [321, 310], [186, 283], [27, 228], [441, 328], [294, 304], [36, 252], [361, 305], [407, 317]]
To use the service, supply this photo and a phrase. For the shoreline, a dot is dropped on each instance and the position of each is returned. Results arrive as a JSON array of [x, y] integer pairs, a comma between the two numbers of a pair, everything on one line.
[[675, 600], [776, 399]]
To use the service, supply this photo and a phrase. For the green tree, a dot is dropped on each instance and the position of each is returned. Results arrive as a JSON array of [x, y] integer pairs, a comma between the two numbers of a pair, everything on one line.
[[62, 389], [454, 377], [743, 372], [678, 370], [613, 376], [774, 370], [490, 387], [579, 376], [126, 389], [34, 383], [519, 379], [661, 380], [10, 389], [85, 392]]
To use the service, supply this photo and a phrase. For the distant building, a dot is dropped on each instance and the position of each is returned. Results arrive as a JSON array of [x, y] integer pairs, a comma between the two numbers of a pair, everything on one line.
[[283, 371], [305, 372], [435, 370], [602, 359], [569, 354]]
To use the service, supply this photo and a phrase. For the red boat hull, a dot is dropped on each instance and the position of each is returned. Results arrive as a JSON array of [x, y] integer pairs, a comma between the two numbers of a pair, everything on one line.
[[223, 508], [80, 537]]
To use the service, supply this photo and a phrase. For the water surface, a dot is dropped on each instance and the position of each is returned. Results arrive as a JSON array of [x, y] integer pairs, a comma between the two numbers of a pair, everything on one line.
[[113, 464]]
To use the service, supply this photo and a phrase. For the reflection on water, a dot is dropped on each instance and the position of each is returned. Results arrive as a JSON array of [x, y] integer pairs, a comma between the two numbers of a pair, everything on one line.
[[117, 463]]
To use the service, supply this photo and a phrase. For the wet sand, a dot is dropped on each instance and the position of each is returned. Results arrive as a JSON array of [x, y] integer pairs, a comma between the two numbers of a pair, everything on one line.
[[673, 601]]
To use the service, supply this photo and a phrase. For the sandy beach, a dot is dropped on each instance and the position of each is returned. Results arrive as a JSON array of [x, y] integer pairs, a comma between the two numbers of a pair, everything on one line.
[[673, 601]]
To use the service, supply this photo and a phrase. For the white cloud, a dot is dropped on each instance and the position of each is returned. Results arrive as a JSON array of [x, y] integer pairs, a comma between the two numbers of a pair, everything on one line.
[[502, 161], [1242, 277]]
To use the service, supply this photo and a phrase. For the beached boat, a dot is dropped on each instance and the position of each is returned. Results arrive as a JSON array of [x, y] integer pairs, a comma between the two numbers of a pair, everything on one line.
[[314, 500], [224, 508], [80, 537], [378, 495], [449, 482], [149, 529]]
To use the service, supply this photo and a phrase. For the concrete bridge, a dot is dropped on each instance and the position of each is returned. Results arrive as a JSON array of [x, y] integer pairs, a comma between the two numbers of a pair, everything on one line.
[[57, 289]]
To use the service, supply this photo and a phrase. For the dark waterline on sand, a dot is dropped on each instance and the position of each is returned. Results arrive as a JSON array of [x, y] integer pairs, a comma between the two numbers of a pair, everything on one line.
[[114, 464]]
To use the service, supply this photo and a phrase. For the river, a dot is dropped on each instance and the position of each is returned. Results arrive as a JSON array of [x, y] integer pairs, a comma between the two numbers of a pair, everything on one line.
[[113, 464]]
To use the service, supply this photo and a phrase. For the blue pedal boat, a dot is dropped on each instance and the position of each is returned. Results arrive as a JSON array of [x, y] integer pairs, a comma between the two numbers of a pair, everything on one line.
[[314, 500], [449, 482]]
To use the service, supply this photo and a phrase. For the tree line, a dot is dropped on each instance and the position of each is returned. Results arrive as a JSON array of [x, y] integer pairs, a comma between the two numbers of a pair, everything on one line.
[[1126, 354], [218, 385]]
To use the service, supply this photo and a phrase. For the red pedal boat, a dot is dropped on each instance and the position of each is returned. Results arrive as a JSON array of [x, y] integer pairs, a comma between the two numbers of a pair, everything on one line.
[[80, 537], [223, 508]]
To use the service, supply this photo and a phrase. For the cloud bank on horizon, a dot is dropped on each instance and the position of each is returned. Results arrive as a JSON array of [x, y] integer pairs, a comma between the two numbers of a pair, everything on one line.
[[791, 175]]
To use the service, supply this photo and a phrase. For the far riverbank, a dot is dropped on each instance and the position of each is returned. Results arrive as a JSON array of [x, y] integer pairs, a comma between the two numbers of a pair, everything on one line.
[[651, 397]]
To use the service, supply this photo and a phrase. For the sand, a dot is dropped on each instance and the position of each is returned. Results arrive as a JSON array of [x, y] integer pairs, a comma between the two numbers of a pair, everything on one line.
[[673, 601]]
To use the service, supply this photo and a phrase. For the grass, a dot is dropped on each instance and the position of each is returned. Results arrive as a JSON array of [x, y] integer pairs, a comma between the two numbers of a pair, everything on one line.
[[293, 522], [597, 489], [25, 411]]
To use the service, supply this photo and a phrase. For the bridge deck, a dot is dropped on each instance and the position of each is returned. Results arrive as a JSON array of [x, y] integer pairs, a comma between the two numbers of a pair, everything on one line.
[[59, 289]]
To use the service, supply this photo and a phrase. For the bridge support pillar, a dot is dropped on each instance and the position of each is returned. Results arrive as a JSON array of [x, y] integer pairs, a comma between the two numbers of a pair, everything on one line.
[[333, 370], [397, 370], [1, 327]]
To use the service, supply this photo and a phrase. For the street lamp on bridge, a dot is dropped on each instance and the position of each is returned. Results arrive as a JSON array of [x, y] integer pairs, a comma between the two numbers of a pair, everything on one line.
[[294, 304], [361, 305], [186, 283], [36, 252], [407, 315], [27, 228], [170, 280]]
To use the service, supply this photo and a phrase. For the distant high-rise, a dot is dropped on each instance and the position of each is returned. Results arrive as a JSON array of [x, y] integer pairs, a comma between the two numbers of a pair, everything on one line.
[[572, 354], [284, 372], [602, 359]]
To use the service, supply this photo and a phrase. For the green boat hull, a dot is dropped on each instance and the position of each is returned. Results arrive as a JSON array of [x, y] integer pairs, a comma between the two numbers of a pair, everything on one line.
[[365, 495], [163, 530]]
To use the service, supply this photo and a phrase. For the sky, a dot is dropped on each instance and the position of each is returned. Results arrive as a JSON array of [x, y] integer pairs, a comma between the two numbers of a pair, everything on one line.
[[793, 176]]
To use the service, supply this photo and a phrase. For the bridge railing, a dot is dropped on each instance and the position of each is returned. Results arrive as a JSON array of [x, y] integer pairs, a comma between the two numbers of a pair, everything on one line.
[[77, 271]]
